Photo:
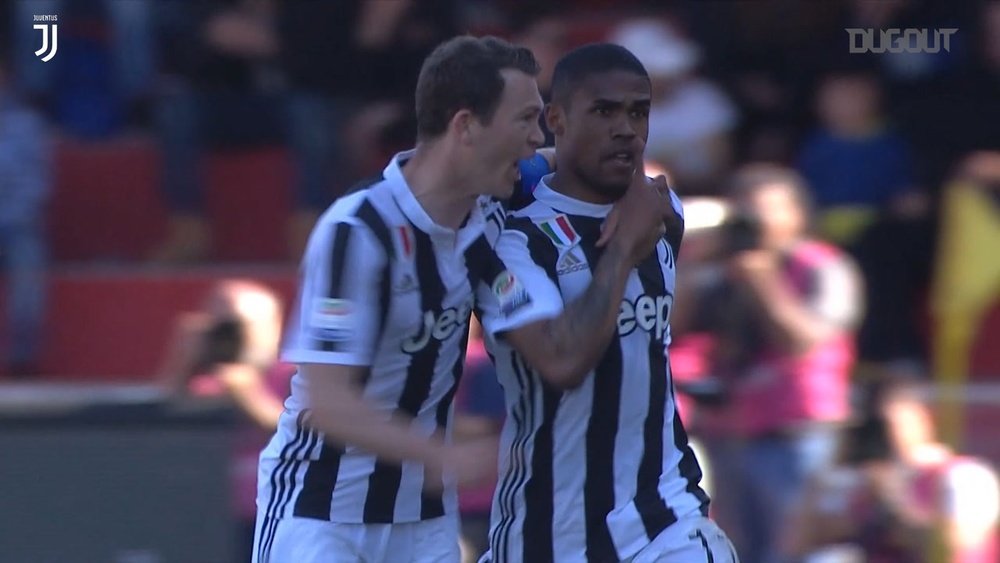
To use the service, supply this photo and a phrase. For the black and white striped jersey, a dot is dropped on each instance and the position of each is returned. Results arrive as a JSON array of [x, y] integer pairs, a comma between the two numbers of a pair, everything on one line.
[[594, 473], [382, 286]]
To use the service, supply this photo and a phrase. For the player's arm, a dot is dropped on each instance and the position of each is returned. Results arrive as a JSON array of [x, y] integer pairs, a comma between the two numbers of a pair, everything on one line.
[[341, 412], [339, 320], [564, 349], [564, 343]]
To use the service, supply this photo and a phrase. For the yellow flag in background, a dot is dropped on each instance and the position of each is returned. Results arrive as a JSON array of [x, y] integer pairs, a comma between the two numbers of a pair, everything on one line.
[[966, 284]]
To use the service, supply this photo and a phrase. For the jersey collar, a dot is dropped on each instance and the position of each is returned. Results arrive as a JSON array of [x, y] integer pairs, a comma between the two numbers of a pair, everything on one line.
[[566, 204], [415, 213]]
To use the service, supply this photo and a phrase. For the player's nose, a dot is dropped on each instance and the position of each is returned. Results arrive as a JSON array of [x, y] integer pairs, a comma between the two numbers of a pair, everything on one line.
[[537, 137]]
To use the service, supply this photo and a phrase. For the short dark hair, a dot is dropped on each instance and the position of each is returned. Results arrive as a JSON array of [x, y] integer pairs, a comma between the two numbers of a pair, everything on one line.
[[464, 73], [587, 60]]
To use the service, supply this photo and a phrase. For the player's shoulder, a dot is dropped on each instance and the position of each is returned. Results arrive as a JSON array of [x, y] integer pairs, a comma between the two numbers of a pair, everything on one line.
[[360, 212], [532, 219]]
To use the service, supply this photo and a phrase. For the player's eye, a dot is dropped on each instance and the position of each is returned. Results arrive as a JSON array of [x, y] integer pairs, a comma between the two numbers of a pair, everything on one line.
[[639, 113], [602, 111]]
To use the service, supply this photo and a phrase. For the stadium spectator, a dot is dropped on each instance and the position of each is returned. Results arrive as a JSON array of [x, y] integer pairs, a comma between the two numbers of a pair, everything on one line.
[[898, 495], [351, 67], [101, 73], [219, 87], [25, 183], [230, 349], [855, 165], [691, 119], [781, 307]]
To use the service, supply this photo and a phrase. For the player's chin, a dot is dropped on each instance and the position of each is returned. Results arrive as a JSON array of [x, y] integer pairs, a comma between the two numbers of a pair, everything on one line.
[[504, 190], [615, 188]]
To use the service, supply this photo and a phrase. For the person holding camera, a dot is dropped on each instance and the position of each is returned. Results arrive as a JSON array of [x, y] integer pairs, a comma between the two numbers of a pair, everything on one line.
[[229, 349], [781, 308]]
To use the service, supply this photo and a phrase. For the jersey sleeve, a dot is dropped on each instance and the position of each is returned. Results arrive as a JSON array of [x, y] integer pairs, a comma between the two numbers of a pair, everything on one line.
[[515, 291], [339, 313]]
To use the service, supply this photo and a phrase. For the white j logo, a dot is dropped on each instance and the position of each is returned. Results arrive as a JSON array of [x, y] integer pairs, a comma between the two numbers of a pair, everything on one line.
[[45, 40]]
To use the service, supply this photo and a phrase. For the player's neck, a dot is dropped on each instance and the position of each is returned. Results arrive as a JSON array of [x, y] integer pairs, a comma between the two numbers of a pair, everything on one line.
[[571, 185], [440, 191]]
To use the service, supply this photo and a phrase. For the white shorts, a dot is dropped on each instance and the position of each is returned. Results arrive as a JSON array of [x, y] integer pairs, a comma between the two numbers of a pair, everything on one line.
[[690, 540], [306, 540]]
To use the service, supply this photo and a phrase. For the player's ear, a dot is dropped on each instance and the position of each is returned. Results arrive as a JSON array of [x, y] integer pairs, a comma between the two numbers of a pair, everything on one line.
[[555, 119], [463, 125]]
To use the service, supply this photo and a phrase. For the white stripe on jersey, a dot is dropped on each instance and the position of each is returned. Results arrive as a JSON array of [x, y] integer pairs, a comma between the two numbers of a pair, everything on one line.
[[382, 286], [596, 472]]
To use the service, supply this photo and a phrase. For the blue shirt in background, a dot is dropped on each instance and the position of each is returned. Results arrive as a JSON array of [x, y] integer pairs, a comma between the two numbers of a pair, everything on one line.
[[867, 171]]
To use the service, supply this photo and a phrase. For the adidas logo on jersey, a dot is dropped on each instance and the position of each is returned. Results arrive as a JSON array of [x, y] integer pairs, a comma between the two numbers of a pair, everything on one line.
[[570, 263]]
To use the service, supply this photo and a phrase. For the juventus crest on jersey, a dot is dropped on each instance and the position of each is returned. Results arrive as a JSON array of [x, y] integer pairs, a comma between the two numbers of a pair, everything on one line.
[[597, 472]]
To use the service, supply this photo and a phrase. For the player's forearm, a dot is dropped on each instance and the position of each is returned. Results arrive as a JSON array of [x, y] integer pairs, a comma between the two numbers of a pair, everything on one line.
[[353, 421], [341, 412], [576, 340]]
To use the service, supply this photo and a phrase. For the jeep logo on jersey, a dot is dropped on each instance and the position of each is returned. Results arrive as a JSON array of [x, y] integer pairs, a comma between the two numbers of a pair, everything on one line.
[[439, 327], [651, 314]]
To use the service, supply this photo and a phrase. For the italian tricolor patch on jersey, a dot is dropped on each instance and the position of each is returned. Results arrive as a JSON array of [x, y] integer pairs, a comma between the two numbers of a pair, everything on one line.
[[560, 231]]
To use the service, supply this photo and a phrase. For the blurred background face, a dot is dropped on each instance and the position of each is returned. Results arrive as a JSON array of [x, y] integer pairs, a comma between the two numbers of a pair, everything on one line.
[[782, 219], [513, 134], [848, 104], [603, 131], [547, 40]]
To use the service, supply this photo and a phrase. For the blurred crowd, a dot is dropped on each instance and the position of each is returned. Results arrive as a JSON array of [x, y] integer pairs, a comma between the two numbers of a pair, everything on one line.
[[842, 208]]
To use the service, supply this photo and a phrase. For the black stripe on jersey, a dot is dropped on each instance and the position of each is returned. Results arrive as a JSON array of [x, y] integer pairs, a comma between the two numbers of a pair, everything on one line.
[[653, 510], [432, 506], [599, 485], [316, 496], [688, 465], [538, 491], [341, 240], [709, 558], [383, 483], [524, 420], [483, 266], [675, 234], [482, 263], [284, 463], [371, 218], [312, 437]]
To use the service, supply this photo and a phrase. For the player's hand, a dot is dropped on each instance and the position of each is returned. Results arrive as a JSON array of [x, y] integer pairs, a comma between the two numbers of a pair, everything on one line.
[[470, 463], [637, 219]]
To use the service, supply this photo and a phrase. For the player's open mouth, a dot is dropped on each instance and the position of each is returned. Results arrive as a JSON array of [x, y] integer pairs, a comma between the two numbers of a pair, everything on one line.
[[624, 158]]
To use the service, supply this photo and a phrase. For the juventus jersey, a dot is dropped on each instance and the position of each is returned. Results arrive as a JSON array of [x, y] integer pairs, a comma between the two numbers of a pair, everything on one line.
[[385, 287], [594, 473]]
